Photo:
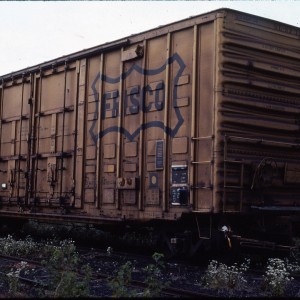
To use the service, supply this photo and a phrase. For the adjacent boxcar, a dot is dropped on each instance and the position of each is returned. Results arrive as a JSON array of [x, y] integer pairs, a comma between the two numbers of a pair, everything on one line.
[[198, 117]]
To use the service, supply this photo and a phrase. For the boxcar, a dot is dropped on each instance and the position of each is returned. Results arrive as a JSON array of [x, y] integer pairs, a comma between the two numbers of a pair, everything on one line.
[[197, 118]]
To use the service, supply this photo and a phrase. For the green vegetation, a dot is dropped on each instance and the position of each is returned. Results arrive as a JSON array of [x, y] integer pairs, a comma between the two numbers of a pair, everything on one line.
[[60, 260], [120, 284], [13, 279], [67, 277], [277, 276], [221, 276], [63, 269], [154, 277]]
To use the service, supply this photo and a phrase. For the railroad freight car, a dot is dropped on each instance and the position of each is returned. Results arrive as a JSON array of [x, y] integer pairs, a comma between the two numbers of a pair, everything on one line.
[[194, 123]]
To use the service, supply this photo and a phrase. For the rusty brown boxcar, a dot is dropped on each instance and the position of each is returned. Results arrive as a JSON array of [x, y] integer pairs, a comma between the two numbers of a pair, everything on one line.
[[200, 117]]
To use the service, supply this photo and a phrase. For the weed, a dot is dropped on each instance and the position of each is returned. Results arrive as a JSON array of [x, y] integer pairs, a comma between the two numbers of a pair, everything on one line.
[[221, 276], [21, 248], [109, 251], [62, 266], [277, 276], [13, 278], [120, 285], [154, 278], [292, 266]]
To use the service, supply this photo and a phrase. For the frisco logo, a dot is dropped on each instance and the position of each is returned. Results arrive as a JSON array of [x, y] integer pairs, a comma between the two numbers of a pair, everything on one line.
[[135, 100]]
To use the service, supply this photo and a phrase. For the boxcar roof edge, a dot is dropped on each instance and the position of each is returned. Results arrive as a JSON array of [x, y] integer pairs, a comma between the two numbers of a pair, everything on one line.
[[119, 43]]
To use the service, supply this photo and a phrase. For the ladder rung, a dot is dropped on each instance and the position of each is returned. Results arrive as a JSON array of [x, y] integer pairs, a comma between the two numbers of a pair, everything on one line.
[[234, 161], [202, 137], [202, 187], [232, 187], [203, 162]]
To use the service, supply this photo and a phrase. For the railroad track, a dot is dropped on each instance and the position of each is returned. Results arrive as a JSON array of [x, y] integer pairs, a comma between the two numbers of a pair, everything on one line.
[[96, 277], [100, 278]]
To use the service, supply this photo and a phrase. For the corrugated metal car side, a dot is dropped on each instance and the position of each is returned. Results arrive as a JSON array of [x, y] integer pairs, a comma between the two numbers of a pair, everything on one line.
[[259, 112]]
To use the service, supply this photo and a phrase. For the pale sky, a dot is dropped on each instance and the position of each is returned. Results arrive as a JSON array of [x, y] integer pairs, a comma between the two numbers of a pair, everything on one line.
[[33, 32]]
